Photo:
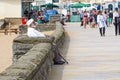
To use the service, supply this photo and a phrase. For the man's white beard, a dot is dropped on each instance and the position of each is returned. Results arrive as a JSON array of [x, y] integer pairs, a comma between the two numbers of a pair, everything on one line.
[[33, 26]]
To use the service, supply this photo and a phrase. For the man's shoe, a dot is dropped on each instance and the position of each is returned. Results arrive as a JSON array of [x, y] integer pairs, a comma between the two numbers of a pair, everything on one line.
[[103, 35], [59, 63], [65, 25]]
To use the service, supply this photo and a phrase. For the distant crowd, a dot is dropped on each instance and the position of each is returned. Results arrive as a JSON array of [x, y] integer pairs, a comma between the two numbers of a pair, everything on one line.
[[39, 16], [101, 19], [92, 17]]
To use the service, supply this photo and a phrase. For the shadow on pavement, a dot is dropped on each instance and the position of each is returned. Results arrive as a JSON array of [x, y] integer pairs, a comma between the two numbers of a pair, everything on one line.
[[57, 70]]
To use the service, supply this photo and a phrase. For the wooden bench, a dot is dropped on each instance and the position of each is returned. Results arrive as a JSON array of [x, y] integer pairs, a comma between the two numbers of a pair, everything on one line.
[[11, 29], [11, 26]]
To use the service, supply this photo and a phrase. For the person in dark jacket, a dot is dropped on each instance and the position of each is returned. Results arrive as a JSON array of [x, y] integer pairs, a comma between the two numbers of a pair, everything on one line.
[[30, 14], [116, 18], [26, 13], [110, 17]]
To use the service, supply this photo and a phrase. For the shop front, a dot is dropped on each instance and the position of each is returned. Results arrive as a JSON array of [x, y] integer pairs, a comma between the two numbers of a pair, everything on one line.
[[26, 5]]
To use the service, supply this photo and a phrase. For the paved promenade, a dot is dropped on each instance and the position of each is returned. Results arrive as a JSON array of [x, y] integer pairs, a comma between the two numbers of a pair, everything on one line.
[[90, 56]]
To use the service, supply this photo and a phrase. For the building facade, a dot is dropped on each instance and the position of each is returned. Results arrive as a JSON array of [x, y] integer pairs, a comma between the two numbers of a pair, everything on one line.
[[13, 8], [10, 8], [112, 5], [26, 4]]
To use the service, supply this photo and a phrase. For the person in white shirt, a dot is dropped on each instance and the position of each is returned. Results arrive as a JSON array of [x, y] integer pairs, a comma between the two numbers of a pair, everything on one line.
[[115, 16], [101, 20], [32, 32]]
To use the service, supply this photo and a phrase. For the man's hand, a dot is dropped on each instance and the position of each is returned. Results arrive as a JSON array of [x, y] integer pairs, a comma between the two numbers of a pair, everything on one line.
[[113, 21]]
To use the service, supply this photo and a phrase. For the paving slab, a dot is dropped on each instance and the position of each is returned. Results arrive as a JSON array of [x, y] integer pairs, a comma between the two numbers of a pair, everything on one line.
[[90, 56]]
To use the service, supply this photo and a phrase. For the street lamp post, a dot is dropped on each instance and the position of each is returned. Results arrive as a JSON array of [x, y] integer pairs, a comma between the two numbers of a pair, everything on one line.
[[52, 4]]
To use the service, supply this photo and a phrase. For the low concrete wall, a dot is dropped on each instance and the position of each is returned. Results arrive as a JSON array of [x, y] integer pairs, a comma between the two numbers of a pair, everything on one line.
[[34, 65], [40, 27], [54, 18], [10, 23], [37, 61], [22, 44], [59, 35], [13, 20]]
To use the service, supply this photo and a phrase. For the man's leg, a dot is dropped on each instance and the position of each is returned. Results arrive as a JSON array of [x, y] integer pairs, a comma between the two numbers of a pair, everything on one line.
[[115, 29], [100, 29], [57, 57], [81, 22], [119, 28], [62, 23], [103, 31]]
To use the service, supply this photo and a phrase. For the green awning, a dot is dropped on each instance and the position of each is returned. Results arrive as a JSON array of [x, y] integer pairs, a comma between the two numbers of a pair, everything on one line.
[[79, 5], [49, 5], [75, 6]]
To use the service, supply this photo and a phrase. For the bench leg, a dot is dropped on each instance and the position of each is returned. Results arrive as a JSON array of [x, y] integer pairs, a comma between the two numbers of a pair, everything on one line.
[[6, 32], [16, 32]]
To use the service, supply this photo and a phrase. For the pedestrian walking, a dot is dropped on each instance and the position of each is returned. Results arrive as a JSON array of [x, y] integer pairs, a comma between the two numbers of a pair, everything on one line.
[[116, 22], [62, 20], [106, 16], [110, 18], [91, 20], [101, 20], [26, 13], [81, 17], [95, 13], [85, 19], [23, 19], [30, 14]]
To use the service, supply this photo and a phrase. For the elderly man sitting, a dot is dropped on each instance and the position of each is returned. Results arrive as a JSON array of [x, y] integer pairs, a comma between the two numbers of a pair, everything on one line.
[[32, 32]]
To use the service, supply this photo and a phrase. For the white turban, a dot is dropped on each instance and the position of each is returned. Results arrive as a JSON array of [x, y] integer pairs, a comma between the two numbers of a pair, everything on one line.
[[29, 22]]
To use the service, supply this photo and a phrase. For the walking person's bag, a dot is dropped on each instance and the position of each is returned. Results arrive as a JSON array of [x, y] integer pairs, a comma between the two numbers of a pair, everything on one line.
[[118, 20]]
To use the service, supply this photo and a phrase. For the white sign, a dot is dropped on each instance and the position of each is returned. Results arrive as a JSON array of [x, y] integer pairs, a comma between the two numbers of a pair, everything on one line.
[[39, 2], [27, 0], [48, 1]]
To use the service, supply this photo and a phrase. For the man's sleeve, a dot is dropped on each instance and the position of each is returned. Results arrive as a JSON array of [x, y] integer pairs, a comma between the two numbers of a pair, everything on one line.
[[113, 16]]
